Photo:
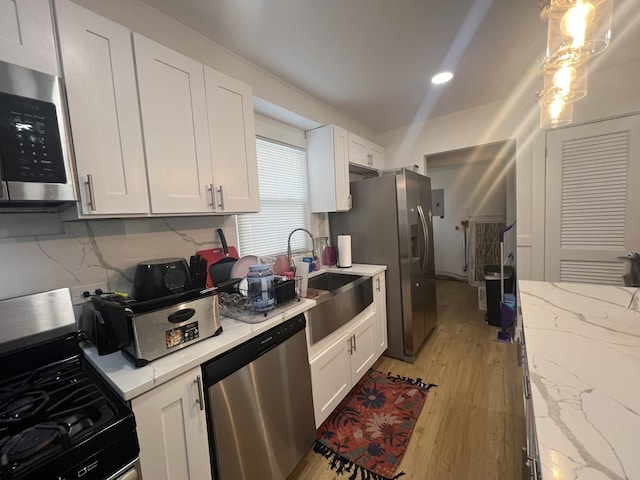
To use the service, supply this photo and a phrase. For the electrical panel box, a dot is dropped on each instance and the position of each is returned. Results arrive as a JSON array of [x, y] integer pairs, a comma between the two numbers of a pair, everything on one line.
[[437, 202]]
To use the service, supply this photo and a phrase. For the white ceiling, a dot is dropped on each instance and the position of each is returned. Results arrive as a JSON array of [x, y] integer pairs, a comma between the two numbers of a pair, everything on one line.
[[373, 59]]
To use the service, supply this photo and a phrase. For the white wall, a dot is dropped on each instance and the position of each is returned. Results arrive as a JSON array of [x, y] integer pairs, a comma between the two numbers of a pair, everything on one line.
[[611, 92], [39, 253], [499, 121], [469, 187]]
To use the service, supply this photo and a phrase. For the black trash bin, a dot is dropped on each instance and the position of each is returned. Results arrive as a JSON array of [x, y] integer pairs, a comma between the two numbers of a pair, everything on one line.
[[492, 283]]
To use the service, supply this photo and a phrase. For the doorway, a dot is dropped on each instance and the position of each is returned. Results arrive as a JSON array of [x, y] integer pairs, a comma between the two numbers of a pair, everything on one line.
[[478, 194]]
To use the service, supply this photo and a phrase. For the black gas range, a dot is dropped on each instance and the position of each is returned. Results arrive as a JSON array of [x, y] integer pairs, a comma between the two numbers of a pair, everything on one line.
[[58, 419]]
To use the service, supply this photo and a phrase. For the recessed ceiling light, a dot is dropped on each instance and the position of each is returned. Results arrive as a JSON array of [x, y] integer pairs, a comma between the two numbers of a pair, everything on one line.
[[442, 77]]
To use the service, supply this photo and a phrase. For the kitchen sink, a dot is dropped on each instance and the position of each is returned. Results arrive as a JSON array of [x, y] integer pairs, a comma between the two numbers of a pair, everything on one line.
[[332, 281], [341, 298]]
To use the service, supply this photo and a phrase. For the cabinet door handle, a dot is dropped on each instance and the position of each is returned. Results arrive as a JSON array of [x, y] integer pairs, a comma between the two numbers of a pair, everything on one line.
[[212, 191], [378, 283], [355, 345], [200, 399], [92, 199], [519, 352], [221, 197], [350, 347], [370, 159], [525, 386]]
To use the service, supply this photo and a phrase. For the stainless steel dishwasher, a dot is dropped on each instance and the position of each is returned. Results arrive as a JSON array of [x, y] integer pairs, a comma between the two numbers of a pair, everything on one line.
[[259, 405]]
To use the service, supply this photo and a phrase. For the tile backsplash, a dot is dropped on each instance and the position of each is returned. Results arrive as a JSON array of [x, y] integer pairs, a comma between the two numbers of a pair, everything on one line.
[[38, 252]]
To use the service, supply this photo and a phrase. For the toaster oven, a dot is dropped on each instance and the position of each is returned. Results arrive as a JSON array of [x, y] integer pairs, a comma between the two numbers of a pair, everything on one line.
[[148, 330]]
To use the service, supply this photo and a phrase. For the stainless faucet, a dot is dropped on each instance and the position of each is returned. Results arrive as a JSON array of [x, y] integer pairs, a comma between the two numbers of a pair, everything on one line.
[[313, 251]]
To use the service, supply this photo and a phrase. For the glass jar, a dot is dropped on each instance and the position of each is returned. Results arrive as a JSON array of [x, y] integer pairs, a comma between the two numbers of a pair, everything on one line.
[[260, 288], [326, 253], [320, 246]]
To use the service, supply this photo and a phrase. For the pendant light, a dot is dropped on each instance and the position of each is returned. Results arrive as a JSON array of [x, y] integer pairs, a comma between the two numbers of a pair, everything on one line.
[[556, 113], [577, 31], [568, 82]]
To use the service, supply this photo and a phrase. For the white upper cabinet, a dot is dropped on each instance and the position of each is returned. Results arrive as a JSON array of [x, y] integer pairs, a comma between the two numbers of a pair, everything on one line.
[[328, 168], [365, 153], [97, 62], [378, 159], [26, 35], [199, 134], [174, 123], [233, 143]]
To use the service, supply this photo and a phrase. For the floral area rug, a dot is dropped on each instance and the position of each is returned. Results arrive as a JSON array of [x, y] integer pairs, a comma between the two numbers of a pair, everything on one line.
[[367, 434]]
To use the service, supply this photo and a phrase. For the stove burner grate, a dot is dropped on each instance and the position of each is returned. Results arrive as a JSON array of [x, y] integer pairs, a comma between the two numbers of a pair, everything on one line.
[[23, 406], [30, 441]]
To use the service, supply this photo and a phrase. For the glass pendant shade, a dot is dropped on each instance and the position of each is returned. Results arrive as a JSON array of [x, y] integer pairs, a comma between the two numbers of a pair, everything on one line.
[[578, 30], [556, 114], [568, 82]]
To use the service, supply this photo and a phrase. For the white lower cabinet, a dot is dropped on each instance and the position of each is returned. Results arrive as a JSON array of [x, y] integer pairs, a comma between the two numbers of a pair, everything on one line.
[[172, 430], [342, 364], [331, 377], [364, 351], [530, 453]]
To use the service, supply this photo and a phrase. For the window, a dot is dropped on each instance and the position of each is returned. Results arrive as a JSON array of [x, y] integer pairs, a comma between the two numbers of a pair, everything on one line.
[[284, 205]]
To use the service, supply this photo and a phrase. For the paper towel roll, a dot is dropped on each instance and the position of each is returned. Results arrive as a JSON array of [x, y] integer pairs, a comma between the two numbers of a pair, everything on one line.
[[302, 271], [344, 251]]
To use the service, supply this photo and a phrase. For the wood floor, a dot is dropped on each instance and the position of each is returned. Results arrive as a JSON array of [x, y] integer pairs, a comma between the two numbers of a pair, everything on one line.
[[472, 425]]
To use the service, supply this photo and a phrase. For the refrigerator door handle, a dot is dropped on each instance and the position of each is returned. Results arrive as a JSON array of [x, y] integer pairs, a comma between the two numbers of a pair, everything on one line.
[[425, 231]]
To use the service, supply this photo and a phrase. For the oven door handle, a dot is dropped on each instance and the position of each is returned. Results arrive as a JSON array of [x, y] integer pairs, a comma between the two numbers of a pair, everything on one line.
[[181, 315]]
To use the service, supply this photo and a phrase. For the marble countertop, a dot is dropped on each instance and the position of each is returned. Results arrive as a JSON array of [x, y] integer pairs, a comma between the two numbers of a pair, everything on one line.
[[583, 353], [355, 269], [130, 382]]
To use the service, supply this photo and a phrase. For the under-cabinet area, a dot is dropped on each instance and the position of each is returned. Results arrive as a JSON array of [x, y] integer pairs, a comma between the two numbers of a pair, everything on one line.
[[249, 370]]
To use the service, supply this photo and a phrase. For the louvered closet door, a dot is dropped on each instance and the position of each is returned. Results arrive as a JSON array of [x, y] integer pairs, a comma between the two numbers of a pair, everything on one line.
[[593, 200]]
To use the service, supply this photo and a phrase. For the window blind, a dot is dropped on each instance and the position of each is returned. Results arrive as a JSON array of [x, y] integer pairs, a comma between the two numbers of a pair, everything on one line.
[[284, 205]]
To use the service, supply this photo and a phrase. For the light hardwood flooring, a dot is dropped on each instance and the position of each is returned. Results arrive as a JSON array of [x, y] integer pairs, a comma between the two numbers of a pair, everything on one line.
[[472, 424]]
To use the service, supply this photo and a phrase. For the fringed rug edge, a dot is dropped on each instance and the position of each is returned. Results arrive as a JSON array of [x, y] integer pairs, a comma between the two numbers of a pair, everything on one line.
[[418, 382], [342, 464]]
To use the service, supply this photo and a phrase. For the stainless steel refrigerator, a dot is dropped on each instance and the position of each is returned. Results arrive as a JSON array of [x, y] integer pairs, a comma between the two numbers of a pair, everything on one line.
[[390, 224]]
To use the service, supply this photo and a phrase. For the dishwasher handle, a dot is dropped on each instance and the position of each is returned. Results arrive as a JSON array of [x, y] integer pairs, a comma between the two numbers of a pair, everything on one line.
[[245, 353]]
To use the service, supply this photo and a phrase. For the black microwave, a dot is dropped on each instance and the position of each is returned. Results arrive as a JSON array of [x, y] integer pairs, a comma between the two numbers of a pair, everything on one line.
[[34, 149]]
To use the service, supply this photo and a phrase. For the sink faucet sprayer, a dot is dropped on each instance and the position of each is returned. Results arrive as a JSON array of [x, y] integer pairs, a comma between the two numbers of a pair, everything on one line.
[[313, 251]]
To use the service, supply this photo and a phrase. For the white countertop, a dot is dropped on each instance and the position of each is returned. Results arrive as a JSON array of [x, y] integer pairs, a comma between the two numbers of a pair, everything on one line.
[[583, 353], [130, 382], [355, 269]]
